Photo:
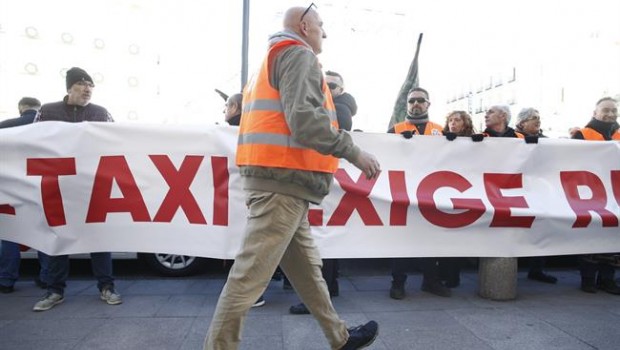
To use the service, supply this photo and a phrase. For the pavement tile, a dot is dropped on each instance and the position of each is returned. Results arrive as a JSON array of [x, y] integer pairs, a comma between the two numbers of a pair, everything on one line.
[[182, 306], [163, 333], [54, 330], [155, 287], [509, 327]]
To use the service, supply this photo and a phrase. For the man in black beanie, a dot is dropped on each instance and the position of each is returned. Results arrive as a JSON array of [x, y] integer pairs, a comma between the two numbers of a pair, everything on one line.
[[76, 74], [74, 108]]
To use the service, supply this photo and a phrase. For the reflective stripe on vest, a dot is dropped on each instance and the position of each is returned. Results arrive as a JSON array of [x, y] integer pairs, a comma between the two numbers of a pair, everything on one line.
[[430, 129], [593, 135], [264, 137]]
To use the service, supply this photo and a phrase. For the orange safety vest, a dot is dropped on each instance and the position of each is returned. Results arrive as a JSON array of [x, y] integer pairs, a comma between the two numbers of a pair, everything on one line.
[[593, 135], [264, 136], [433, 129]]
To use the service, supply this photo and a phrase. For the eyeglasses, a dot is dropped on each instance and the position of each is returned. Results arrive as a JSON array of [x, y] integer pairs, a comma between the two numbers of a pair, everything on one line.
[[307, 10], [85, 83], [332, 86], [419, 100]]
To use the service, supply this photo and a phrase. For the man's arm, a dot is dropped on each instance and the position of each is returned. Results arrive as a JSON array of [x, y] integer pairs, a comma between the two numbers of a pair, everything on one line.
[[299, 79]]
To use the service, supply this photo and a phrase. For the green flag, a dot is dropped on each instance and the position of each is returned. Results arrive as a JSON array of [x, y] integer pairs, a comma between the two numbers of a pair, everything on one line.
[[412, 80]]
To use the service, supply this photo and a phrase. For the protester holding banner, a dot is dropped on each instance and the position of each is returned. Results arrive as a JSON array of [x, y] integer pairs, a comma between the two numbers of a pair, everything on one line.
[[287, 153], [10, 258], [598, 270], [458, 123], [497, 119], [418, 123], [528, 124], [75, 108], [604, 123]]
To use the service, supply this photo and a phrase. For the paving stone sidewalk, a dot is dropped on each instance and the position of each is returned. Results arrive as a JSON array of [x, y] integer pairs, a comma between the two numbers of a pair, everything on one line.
[[175, 313]]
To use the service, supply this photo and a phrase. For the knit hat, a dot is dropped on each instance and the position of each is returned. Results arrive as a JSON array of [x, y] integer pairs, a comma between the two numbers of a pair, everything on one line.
[[76, 74]]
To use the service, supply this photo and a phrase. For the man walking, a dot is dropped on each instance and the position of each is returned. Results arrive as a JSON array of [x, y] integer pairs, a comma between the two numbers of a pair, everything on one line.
[[287, 153]]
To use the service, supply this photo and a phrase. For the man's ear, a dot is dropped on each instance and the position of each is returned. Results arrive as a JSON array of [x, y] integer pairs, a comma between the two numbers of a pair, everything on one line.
[[303, 27]]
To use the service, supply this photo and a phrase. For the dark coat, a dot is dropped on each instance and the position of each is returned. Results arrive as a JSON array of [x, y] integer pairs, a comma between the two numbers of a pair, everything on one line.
[[235, 120], [61, 111], [27, 117], [509, 132], [346, 108]]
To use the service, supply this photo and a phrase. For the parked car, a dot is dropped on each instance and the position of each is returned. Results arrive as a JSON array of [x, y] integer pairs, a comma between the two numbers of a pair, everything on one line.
[[170, 265]]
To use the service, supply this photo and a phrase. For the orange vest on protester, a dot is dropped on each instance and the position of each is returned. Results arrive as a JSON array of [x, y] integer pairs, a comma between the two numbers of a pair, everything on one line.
[[593, 135], [431, 128], [264, 137]]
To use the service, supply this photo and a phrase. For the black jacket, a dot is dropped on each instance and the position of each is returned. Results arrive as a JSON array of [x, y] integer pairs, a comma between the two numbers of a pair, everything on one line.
[[235, 120], [346, 108], [510, 132], [27, 117], [61, 111]]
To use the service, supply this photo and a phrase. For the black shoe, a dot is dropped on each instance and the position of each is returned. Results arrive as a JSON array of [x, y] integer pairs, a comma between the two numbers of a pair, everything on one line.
[[542, 277], [436, 288], [610, 287], [361, 336], [299, 309], [588, 286], [40, 283], [6, 289], [398, 290], [260, 302]]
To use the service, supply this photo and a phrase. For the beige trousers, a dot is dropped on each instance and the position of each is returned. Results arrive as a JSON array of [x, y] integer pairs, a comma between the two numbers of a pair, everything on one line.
[[277, 231]]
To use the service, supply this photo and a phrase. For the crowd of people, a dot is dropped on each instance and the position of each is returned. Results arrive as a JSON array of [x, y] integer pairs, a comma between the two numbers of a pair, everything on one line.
[[303, 117]]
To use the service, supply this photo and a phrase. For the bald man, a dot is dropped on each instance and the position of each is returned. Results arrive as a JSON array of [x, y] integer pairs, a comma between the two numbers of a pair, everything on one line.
[[287, 152]]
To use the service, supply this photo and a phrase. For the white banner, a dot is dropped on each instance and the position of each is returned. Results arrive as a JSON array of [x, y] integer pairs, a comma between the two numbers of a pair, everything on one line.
[[75, 188]]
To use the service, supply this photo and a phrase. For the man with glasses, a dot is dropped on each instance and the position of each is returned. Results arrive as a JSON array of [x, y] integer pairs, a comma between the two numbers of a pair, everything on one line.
[[528, 124], [418, 123], [287, 153], [76, 108], [346, 108]]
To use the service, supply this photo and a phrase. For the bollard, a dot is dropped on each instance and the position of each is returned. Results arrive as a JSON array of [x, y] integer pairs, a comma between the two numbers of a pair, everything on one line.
[[497, 278]]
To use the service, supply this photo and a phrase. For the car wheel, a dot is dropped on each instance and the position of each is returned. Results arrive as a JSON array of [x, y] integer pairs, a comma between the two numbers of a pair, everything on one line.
[[172, 265]]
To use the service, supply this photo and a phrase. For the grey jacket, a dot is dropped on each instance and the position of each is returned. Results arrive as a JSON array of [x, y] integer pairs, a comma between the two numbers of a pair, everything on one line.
[[297, 75]]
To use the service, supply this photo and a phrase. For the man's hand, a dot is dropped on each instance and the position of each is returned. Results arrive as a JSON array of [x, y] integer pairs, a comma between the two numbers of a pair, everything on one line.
[[368, 164]]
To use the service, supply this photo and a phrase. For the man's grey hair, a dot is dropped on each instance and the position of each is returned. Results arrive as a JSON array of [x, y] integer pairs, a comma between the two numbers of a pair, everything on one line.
[[526, 113], [506, 110]]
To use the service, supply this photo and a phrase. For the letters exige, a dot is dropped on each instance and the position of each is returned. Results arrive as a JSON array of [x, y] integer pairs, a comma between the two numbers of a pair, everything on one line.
[[116, 169], [357, 195], [356, 198]]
